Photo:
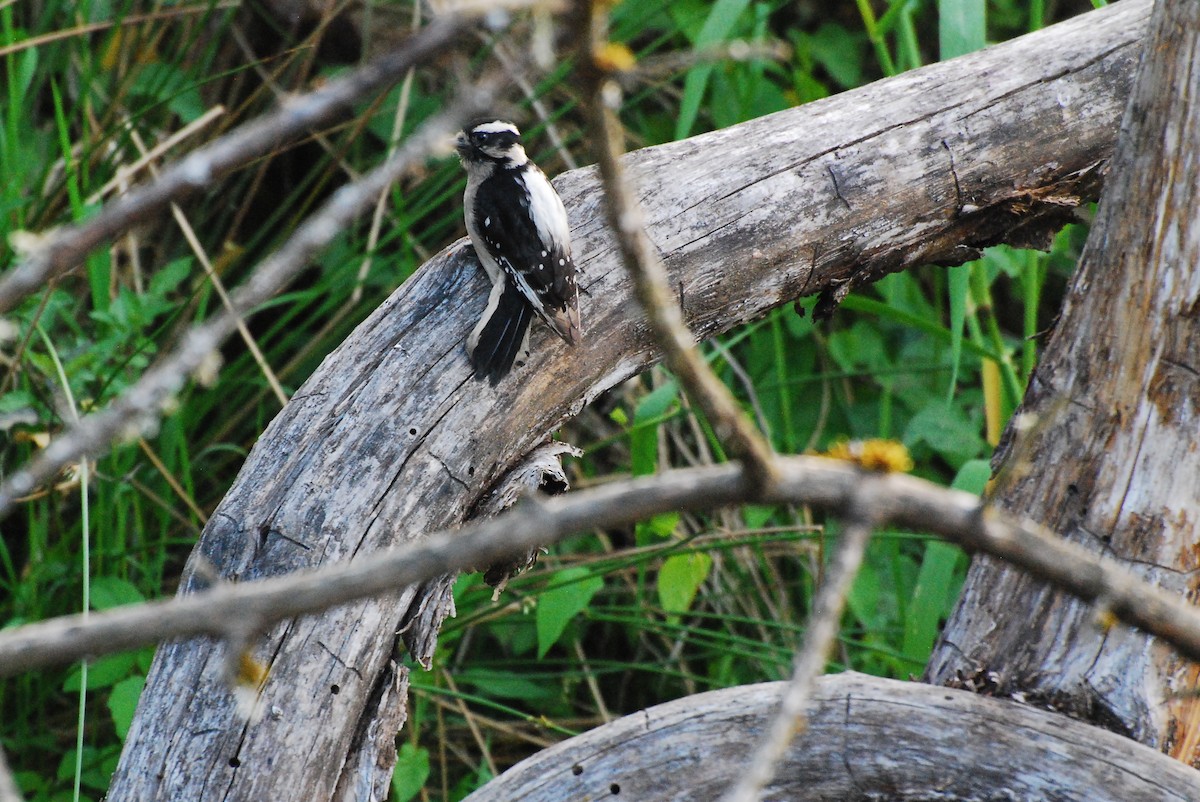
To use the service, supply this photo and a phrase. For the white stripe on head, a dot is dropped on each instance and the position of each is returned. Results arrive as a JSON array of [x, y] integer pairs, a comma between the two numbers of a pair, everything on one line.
[[495, 127]]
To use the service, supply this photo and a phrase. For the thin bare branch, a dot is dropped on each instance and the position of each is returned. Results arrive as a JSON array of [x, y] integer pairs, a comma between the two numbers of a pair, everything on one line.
[[140, 406], [67, 247], [193, 241], [828, 484], [514, 68], [126, 172], [791, 718], [381, 203], [662, 67], [650, 283]]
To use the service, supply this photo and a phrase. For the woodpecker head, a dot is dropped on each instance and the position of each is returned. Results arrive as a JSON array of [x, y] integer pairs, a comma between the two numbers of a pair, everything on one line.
[[494, 142]]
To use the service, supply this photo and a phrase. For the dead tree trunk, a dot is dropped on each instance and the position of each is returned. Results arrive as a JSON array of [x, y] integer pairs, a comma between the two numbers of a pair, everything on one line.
[[390, 438], [1111, 459], [868, 738]]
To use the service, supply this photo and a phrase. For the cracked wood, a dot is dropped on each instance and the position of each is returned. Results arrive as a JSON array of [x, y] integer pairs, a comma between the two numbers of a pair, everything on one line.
[[1111, 460], [868, 738]]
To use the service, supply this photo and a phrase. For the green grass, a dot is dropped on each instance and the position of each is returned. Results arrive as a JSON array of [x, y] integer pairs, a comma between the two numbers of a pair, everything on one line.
[[616, 622]]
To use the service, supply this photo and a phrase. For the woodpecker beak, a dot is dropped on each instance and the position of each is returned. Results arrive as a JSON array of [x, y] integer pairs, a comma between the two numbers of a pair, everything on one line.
[[461, 144]]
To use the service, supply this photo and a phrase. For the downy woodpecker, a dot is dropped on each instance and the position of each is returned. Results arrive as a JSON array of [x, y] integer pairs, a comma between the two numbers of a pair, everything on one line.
[[518, 226]]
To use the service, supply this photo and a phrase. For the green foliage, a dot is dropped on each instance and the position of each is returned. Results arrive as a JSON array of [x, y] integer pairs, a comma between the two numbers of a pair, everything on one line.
[[122, 702], [680, 579], [412, 769], [604, 625], [557, 606]]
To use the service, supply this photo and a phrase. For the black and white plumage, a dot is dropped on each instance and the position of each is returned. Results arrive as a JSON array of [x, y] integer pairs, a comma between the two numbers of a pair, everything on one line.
[[518, 225]]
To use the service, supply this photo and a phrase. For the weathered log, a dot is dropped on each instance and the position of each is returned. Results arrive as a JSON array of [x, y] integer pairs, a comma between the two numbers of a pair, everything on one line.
[[391, 438], [1111, 459], [868, 738]]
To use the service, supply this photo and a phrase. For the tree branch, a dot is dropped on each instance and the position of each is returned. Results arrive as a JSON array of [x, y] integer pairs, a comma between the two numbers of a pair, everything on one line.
[[68, 247], [140, 406], [870, 738], [822, 483], [651, 286]]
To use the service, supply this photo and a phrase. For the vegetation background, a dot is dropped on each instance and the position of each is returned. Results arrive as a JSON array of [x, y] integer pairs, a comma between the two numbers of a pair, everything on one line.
[[609, 623]]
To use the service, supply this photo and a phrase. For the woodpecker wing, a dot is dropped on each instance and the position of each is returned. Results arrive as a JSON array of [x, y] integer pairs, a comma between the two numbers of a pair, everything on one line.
[[537, 258]]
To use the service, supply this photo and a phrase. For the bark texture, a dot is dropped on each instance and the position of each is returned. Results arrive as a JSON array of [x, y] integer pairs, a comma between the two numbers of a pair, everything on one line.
[[868, 739], [1111, 460], [391, 438]]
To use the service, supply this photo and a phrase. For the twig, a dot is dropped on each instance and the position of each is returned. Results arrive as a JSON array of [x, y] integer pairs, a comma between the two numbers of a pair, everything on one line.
[[760, 417], [140, 405], [836, 486], [127, 21], [661, 67], [126, 172], [791, 718], [506, 727], [381, 203], [513, 68], [589, 677], [650, 282], [67, 247], [461, 704], [193, 241]]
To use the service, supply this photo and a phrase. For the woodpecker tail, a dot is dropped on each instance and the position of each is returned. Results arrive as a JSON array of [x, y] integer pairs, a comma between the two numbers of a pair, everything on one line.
[[565, 323], [502, 334]]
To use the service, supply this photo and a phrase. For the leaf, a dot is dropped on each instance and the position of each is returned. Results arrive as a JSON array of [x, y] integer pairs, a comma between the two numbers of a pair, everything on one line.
[[15, 400], [643, 435], [860, 347], [166, 83], [111, 591], [973, 476], [410, 773], [559, 605], [718, 26], [863, 598], [839, 52], [102, 672], [930, 599], [962, 27], [947, 430], [168, 277], [859, 303], [508, 685], [656, 403], [757, 515], [680, 578], [122, 702], [656, 529]]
